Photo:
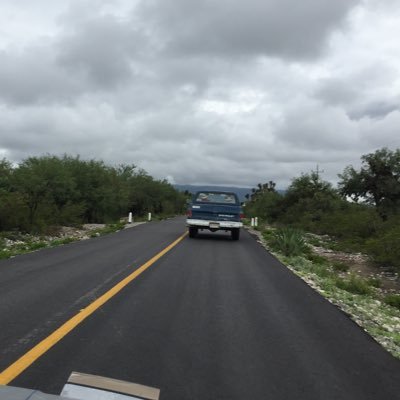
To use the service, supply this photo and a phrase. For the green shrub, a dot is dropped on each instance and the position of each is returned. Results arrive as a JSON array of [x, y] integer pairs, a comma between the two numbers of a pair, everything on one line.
[[328, 285], [339, 266], [14, 235], [393, 300], [289, 242], [112, 228], [316, 258], [5, 254], [375, 282], [58, 242], [354, 285], [321, 270], [268, 235], [315, 241], [385, 249], [36, 245], [298, 263], [351, 221]]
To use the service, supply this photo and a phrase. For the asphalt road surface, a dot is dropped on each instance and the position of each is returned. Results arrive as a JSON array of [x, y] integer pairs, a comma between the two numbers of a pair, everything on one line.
[[211, 319]]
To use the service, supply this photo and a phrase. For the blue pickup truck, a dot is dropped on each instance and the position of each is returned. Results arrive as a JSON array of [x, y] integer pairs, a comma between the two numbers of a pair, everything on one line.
[[214, 211]]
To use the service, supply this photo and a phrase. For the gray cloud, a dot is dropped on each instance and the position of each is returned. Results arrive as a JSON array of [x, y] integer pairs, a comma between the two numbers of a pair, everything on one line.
[[228, 27], [338, 92], [366, 92], [100, 49], [203, 92], [374, 110], [28, 77]]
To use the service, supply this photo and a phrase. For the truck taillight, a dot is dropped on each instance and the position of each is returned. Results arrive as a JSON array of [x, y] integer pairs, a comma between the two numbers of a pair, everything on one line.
[[242, 216], [189, 213]]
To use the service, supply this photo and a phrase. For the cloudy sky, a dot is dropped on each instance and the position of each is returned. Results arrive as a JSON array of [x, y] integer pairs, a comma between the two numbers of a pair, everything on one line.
[[211, 91]]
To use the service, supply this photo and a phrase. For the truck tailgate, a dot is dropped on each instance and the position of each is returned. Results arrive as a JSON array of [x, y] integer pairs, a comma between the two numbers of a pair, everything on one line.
[[216, 212]]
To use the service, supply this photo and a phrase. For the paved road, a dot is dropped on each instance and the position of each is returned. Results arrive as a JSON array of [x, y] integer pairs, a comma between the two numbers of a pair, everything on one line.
[[212, 319]]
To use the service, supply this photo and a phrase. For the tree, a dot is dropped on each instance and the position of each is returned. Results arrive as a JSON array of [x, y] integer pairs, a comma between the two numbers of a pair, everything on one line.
[[29, 181], [262, 188], [47, 188], [52, 190], [377, 182], [308, 186], [5, 174], [307, 201], [11, 207], [95, 189], [263, 201]]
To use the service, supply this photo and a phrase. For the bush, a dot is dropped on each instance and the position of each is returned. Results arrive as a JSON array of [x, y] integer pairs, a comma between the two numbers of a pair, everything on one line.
[[58, 242], [354, 285], [351, 221], [316, 258], [385, 249], [315, 241], [375, 282], [14, 236], [268, 235], [321, 270], [289, 242], [36, 245], [339, 266], [5, 254], [393, 300]]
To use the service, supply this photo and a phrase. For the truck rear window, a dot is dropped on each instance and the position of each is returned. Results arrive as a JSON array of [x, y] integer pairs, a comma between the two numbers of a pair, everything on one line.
[[211, 197]]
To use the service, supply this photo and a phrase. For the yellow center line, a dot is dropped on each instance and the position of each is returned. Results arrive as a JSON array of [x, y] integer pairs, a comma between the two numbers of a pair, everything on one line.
[[37, 351]]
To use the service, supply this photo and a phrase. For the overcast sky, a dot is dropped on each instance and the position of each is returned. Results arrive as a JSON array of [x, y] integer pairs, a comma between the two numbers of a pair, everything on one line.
[[211, 91]]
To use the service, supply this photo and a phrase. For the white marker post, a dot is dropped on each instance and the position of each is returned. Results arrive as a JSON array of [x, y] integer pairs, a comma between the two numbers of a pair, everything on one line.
[[130, 218], [256, 221], [252, 222], [149, 217]]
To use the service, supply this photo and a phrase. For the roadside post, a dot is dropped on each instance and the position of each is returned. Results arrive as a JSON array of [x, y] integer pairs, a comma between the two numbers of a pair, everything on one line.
[[149, 217], [256, 221], [252, 222], [130, 218]]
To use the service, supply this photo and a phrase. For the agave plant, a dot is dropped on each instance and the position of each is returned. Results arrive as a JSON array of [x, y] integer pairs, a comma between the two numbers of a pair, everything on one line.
[[289, 242]]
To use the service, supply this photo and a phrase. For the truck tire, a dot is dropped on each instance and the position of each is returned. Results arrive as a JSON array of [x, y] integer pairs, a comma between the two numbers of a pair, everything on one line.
[[235, 233], [192, 232]]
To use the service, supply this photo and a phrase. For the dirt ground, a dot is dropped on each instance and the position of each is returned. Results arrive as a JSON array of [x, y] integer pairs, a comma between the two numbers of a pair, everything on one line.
[[360, 264]]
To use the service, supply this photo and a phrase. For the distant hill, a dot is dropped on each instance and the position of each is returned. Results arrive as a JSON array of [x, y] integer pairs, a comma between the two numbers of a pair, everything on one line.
[[241, 192]]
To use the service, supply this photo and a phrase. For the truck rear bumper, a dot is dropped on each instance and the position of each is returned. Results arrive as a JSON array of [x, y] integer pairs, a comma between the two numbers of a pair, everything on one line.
[[205, 224]]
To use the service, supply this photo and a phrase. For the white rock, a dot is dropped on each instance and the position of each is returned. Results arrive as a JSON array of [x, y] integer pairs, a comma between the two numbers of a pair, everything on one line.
[[388, 328]]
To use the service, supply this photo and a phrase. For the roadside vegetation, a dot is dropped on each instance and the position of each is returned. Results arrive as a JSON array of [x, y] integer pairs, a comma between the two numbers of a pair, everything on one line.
[[27, 243], [362, 214], [48, 191], [41, 194], [312, 222], [13, 243]]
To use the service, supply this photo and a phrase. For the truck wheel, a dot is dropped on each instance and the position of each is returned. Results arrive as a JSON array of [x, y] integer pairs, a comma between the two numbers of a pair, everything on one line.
[[192, 232], [235, 233]]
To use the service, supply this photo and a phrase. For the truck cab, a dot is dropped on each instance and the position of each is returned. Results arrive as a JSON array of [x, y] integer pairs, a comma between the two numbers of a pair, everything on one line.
[[214, 211]]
